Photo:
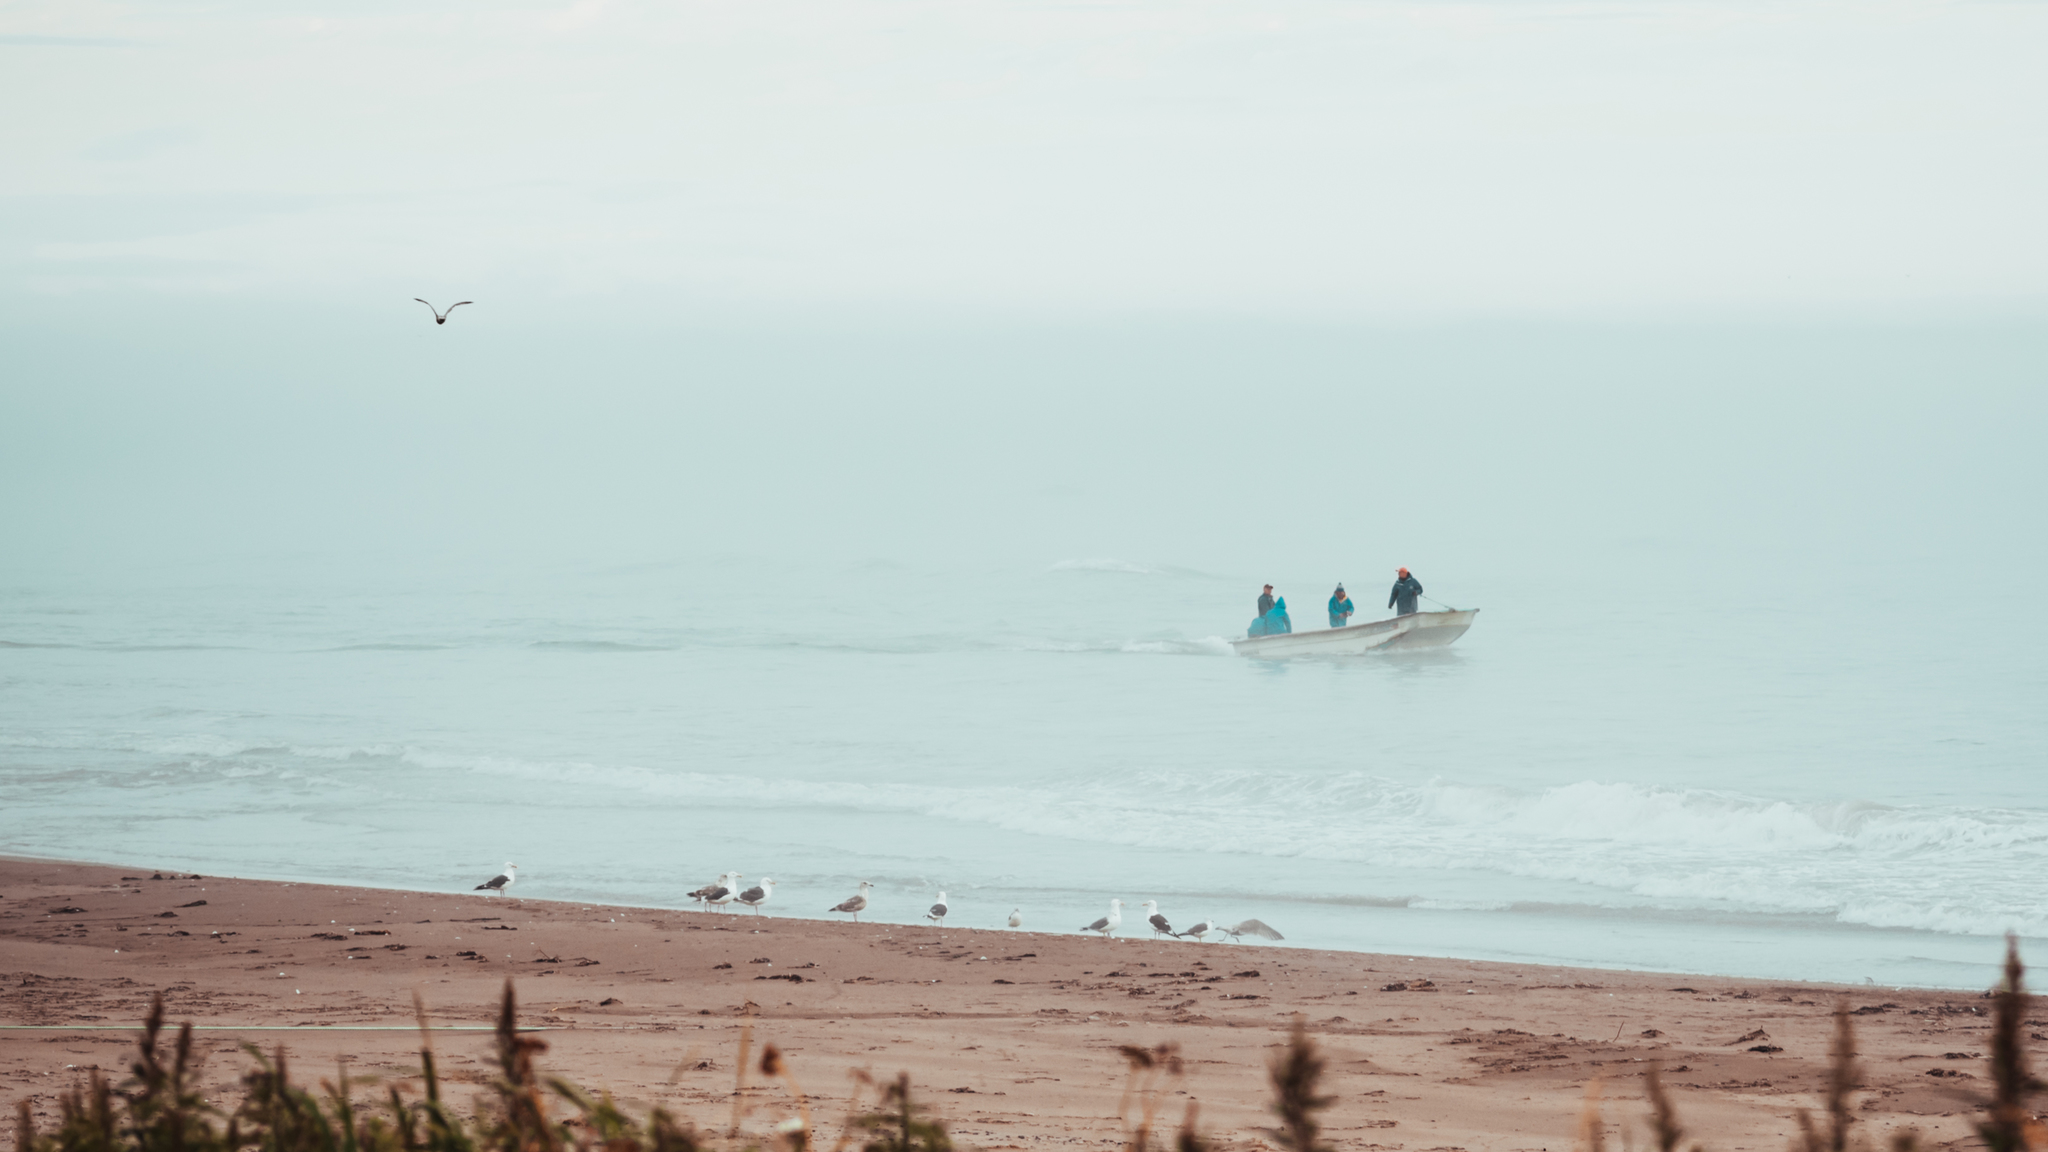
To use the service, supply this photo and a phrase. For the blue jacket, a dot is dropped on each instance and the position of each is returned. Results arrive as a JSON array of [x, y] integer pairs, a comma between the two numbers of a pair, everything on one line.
[[1273, 623], [1340, 611]]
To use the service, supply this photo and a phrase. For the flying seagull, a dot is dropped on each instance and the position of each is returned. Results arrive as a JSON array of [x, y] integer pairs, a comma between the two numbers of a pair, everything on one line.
[[441, 317], [500, 882], [1199, 930], [938, 911], [856, 904], [1109, 923], [757, 895], [1251, 928], [1158, 922], [726, 894], [1016, 918]]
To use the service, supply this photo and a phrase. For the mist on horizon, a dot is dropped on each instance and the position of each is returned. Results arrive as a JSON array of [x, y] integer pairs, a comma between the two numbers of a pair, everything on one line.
[[319, 447], [1328, 162]]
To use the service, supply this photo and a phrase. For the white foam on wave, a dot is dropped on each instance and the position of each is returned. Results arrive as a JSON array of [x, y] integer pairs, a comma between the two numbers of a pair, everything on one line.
[[1940, 869], [1658, 847], [1597, 811], [1205, 646], [197, 745], [203, 744]]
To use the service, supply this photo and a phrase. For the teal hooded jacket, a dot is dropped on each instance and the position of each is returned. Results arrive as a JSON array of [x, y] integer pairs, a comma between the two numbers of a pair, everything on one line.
[[1340, 611]]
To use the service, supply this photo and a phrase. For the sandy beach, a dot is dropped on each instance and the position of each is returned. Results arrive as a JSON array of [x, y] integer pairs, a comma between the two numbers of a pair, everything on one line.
[[1013, 1036]]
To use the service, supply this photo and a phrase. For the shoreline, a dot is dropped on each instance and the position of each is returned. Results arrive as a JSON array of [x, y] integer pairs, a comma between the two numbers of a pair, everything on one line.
[[1134, 928], [1425, 1053]]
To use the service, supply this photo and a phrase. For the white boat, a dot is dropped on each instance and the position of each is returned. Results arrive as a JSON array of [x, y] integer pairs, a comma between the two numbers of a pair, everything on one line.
[[1402, 633]]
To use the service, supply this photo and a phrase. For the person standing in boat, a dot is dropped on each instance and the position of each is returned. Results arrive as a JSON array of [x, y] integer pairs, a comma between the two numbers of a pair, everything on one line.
[[1402, 598], [1277, 623], [1263, 625], [1272, 619], [1341, 608]]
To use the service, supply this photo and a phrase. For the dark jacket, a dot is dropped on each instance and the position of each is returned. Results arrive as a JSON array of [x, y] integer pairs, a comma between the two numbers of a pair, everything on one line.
[[1265, 603], [1402, 598]]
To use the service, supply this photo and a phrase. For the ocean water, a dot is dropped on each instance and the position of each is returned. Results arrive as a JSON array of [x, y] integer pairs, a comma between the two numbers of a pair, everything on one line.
[[1650, 788], [1759, 684]]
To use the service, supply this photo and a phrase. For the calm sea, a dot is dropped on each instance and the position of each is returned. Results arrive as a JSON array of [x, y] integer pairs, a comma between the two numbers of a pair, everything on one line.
[[1759, 684], [1779, 790]]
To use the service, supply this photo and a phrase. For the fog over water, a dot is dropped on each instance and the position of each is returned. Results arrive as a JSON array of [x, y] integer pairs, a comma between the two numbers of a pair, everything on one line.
[[1755, 687], [875, 419]]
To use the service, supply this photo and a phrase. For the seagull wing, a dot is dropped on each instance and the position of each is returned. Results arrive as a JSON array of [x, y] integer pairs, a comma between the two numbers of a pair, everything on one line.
[[494, 882], [436, 311], [1256, 928], [454, 306], [1160, 923], [753, 894], [1098, 926]]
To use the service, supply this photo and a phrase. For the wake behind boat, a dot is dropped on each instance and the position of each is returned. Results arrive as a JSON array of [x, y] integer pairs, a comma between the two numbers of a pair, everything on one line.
[[1413, 631]]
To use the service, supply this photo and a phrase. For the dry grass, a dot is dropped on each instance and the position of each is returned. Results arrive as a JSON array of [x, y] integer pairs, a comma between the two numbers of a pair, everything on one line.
[[2007, 1125], [159, 1108], [1297, 1074], [1843, 1078]]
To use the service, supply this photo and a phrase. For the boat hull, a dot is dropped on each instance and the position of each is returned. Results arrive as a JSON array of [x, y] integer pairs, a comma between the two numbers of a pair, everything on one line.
[[1402, 633]]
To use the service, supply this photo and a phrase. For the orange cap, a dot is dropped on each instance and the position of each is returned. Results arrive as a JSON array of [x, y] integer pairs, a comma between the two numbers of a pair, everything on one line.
[[1400, 571]]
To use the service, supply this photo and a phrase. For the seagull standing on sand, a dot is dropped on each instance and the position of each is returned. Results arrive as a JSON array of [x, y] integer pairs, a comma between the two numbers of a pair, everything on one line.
[[757, 895], [441, 317], [1199, 930], [721, 890], [726, 893], [1016, 918], [1158, 922], [501, 881], [938, 911], [856, 904], [1109, 923], [702, 895], [1250, 928]]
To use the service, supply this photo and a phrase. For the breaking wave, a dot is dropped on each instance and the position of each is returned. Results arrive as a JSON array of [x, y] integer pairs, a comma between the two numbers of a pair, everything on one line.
[[1938, 869], [1952, 870]]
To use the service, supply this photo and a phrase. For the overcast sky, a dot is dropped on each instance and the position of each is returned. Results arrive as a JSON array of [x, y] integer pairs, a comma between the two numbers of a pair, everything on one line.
[[1188, 281], [1375, 159]]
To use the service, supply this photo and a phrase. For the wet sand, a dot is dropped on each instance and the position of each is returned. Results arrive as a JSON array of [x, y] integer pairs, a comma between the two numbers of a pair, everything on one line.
[[1012, 1036]]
